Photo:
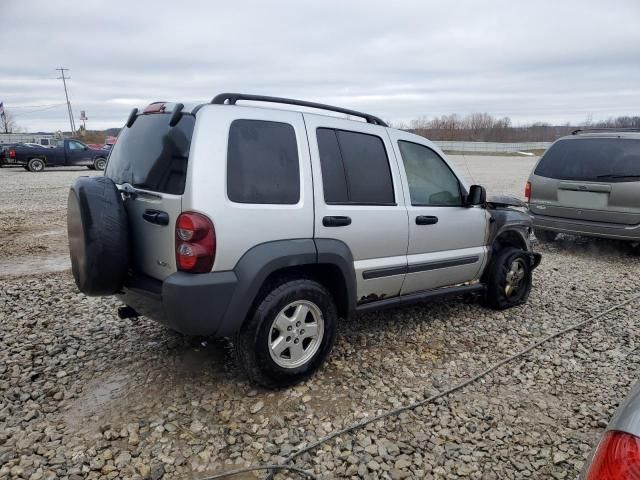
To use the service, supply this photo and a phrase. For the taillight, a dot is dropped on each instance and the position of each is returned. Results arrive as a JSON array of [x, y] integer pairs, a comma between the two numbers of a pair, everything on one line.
[[617, 457], [527, 191], [12, 153], [195, 243]]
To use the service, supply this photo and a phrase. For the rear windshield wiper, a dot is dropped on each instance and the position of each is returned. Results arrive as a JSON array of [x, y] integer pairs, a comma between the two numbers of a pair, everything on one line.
[[610, 175]]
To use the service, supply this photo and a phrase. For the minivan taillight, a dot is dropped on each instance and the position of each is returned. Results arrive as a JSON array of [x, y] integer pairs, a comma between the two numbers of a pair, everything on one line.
[[617, 457], [12, 153], [195, 243], [527, 192]]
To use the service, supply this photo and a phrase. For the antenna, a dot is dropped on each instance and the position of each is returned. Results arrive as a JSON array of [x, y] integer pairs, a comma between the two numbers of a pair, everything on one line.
[[66, 94]]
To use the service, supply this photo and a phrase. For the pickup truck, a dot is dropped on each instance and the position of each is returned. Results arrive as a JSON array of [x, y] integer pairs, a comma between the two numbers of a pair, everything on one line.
[[66, 153]]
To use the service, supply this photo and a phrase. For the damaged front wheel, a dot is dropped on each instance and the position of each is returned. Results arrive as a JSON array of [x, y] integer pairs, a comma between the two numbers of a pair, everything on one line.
[[509, 279]]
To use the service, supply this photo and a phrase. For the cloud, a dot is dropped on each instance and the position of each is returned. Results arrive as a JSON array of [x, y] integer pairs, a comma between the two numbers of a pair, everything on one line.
[[535, 61]]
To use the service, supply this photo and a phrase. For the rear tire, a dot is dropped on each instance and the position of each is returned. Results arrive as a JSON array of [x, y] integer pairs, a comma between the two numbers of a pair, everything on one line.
[[545, 236], [35, 165], [99, 163], [289, 334], [509, 278]]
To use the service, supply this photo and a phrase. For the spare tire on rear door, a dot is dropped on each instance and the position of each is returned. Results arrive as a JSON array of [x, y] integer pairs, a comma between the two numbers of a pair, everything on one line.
[[98, 235]]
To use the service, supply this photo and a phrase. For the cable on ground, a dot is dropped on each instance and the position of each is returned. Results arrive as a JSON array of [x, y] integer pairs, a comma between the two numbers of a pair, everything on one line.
[[397, 411]]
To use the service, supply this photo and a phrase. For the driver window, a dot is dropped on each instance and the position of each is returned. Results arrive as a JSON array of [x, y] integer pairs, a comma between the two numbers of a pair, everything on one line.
[[431, 181]]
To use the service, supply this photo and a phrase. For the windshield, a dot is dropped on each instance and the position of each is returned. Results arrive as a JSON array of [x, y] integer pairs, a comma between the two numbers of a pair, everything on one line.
[[152, 155], [592, 159]]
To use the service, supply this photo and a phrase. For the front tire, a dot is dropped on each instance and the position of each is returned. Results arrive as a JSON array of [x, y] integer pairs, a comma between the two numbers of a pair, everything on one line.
[[35, 165], [289, 334], [509, 278], [545, 236]]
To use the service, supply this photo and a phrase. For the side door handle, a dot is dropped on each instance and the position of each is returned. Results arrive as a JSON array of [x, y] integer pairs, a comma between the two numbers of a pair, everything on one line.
[[336, 221], [426, 220], [156, 216]]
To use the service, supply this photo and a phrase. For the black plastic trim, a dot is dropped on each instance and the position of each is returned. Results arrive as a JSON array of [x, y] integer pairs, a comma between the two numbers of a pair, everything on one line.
[[423, 267], [252, 270], [419, 267], [384, 272], [232, 98], [217, 303], [419, 297]]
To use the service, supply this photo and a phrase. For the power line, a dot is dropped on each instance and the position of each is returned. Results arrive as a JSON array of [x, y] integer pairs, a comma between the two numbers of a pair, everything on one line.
[[66, 94], [20, 114], [13, 107]]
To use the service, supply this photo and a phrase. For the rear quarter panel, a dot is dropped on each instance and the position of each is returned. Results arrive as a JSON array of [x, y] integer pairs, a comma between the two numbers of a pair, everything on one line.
[[241, 226]]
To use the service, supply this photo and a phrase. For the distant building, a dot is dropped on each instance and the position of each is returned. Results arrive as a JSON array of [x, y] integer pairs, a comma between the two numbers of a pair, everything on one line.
[[46, 139]]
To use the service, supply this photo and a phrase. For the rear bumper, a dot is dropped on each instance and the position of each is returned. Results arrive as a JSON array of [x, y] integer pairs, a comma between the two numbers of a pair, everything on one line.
[[614, 231], [193, 304]]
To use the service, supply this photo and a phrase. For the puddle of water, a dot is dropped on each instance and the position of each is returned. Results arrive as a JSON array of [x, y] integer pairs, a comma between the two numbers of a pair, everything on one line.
[[96, 396], [30, 265], [48, 233]]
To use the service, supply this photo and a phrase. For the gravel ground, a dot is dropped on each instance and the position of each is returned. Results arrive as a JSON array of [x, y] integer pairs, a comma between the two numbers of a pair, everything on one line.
[[84, 394]]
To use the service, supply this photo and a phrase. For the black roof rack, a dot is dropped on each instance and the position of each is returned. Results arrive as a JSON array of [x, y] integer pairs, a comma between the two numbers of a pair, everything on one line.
[[232, 98], [605, 129]]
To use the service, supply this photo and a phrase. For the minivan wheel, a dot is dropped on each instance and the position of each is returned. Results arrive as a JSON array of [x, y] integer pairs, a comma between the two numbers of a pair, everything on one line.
[[35, 165], [289, 334], [545, 236], [509, 279]]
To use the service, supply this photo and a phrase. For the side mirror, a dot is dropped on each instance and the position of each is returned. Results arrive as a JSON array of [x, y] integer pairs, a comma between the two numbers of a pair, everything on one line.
[[477, 195]]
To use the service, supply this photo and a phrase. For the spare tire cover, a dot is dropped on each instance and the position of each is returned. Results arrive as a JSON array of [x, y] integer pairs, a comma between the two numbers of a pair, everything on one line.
[[98, 235]]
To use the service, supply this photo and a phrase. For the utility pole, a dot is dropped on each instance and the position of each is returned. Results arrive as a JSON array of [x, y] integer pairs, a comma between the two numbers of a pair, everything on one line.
[[66, 94]]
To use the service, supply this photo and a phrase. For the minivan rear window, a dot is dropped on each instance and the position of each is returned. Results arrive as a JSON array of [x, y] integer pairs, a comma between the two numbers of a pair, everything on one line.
[[592, 159], [152, 155]]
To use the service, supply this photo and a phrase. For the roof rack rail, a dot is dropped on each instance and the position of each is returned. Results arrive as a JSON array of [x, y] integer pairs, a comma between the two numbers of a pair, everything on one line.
[[605, 129], [232, 98]]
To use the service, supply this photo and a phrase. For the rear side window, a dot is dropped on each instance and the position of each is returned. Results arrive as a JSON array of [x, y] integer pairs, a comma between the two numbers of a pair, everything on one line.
[[592, 159], [262, 163], [355, 168], [152, 155]]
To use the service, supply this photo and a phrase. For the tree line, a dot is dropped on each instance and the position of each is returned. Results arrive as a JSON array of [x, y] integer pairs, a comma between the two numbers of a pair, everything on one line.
[[483, 127]]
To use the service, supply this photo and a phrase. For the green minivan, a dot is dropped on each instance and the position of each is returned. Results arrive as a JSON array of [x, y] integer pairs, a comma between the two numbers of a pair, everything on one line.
[[588, 183]]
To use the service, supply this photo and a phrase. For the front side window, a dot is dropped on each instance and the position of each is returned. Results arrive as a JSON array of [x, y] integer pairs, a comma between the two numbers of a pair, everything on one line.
[[75, 146], [431, 181], [262, 163], [355, 168]]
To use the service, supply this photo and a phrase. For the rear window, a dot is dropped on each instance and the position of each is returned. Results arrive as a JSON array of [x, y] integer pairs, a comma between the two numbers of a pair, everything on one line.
[[592, 159], [152, 155]]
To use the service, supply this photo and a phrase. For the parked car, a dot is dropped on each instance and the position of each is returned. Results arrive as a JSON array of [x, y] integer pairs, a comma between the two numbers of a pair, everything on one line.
[[268, 225], [617, 455], [66, 153], [587, 184]]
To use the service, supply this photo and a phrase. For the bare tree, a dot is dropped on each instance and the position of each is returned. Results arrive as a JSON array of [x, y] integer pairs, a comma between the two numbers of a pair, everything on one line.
[[8, 123]]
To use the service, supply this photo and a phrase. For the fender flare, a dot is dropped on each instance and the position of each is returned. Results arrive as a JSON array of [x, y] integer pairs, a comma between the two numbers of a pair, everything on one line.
[[255, 266]]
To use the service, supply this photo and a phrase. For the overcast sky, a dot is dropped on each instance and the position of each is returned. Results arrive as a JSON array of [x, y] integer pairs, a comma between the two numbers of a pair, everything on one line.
[[553, 61]]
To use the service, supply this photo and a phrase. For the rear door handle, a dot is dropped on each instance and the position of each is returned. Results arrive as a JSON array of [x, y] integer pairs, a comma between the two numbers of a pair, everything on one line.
[[156, 216], [426, 220], [336, 221]]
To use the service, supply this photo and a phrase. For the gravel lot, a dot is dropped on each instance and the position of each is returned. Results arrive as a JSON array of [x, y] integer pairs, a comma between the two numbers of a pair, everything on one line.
[[84, 394]]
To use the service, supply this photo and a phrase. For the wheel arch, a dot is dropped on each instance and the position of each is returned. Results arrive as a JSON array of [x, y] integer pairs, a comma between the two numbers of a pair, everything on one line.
[[329, 262], [510, 238]]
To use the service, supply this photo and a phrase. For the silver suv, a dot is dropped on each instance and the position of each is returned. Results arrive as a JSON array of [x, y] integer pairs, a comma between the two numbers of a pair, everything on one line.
[[269, 225], [588, 183]]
